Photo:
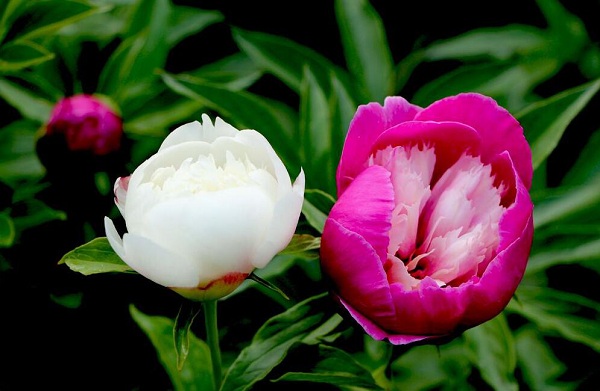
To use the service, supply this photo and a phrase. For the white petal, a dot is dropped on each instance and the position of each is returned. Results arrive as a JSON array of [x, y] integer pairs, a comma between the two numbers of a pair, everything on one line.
[[160, 265], [114, 238], [284, 223], [219, 230], [191, 131]]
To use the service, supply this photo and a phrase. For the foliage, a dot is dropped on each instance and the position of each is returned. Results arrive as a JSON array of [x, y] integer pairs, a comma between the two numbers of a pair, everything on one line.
[[126, 50]]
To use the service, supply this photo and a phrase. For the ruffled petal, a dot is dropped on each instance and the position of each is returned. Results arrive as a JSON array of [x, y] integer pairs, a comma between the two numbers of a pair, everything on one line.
[[368, 123], [450, 140], [196, 131], [498, 129]]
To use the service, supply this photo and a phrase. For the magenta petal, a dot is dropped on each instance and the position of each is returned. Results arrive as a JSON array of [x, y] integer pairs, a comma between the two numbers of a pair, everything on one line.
[[450, 140], [377, 332], [498, 129], [355, 270], [368, 123], [366, 208], [500, 280]]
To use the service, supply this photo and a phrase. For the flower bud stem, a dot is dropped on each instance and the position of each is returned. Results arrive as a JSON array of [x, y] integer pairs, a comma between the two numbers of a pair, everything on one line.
[[212, 339]]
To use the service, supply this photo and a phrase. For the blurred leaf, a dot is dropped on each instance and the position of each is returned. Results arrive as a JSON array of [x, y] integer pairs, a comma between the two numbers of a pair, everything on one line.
[[133, 64], [508, 82], [429, 367], [587, 165], [306, 322], [36, 213], [157, 117], [72, 300], [315, 134], [261, 281], [286, 60], [95, 256], [565, 202], [498, 43], [7, 230], [493, 353], [272, 119], [9, 11], [196, 373], [17, 56], [545, 121], [336, 368], [234, 72], [186, 21], [558, 313], [342, 108], [366, 48], [567, 33], [540, 367], [19, 159], [42, 17], [587, 251], [314, 216], [29, 105]]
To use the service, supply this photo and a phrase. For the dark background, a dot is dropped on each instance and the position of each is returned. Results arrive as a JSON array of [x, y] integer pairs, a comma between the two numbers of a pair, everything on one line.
[[98, 346]]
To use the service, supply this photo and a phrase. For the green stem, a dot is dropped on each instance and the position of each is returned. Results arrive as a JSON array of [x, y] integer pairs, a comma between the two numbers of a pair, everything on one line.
[[212, 339]]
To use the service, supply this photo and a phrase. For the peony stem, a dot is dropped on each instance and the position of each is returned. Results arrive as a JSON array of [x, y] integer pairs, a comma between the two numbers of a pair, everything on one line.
[[212, 339]]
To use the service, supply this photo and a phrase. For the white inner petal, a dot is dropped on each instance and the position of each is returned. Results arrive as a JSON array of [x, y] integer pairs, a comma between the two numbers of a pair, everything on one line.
[[443, 232]]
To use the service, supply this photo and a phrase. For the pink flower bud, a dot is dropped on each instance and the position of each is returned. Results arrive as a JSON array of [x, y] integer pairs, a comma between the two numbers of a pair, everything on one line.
[[87, 123], [433, 225]]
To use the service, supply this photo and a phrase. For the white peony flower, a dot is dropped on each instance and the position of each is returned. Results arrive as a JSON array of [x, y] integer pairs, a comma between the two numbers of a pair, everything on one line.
[[209, 207]]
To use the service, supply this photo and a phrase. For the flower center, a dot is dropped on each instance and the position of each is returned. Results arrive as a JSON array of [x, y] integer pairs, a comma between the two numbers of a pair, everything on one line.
[[204, 174], [443, 230]]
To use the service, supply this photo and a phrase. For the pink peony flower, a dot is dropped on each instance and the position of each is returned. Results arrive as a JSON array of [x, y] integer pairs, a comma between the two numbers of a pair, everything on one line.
[[433, 225], [87, 123]]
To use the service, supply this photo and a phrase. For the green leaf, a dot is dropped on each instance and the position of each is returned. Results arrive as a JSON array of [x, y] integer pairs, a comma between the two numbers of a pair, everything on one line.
[[567, 202], [493, 353], [587, 251], [196, 373], [95, 256], [498, 43], [36, 213], [366, 48], [559, 313], [9, 11], [337, 368], [315, 135], [429, 367], [29, 105], [17, 56], [545, 121], [19, 159], [301, 243], [134, 63], [306, 322], [235, 72], [186, 21], [540, 367], [286, 60], [44, 17], [7, 230], [272, 119], [181, 330], [314, 216], [587, 165], [509, 82], [268, 285]]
